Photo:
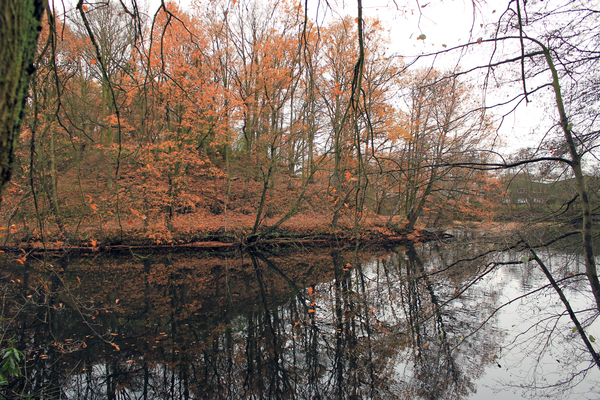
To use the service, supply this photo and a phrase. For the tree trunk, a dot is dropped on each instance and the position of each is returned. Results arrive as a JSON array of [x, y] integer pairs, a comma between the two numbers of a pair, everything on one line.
[[19, 31], [586, 229]]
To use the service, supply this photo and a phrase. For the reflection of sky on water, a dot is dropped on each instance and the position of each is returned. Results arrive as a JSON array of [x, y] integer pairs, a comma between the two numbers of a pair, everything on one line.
[[528, 357]]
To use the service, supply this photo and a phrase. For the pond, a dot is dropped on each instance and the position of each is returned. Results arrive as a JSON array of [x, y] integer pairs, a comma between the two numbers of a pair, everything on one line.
[[435, 321]]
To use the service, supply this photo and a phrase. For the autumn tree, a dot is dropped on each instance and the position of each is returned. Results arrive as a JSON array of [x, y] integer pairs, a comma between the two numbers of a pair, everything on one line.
[[356, 116], [439, 134]]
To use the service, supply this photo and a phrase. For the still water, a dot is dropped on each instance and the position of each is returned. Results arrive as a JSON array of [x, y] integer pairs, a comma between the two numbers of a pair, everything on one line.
[[437, 321]]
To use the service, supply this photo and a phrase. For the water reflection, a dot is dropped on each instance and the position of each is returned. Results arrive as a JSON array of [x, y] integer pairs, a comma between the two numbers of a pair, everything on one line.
[[414, 323]]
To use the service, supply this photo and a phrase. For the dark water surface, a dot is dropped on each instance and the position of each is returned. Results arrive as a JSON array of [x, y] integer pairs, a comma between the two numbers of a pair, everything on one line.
[[312, 324]]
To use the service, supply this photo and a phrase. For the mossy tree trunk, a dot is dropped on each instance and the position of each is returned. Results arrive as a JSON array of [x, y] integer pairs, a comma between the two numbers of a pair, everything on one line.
[[19, 29], [575, 164]]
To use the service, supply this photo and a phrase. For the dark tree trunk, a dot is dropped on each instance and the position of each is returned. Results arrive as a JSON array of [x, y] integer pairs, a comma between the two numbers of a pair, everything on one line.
[[20, 26]]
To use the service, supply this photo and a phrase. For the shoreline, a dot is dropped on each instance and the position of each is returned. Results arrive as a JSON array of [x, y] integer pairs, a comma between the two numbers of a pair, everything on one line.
[[282, 238]]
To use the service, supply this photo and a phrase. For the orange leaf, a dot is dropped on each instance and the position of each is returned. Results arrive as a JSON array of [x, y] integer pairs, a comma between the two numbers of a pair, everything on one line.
[[311, 311], [93, 61]]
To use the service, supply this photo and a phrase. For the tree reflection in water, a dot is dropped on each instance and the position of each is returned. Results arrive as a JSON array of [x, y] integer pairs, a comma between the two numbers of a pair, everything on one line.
[[310, 325]]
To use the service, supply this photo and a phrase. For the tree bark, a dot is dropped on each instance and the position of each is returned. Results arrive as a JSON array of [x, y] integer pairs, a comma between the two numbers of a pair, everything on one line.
[[586, 211], [19, 29]]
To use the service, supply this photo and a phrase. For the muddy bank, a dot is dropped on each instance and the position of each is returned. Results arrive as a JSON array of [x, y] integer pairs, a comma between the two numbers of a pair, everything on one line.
[[226, 241]]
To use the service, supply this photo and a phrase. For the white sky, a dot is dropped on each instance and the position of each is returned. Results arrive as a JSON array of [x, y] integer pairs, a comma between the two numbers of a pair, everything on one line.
[[444, 22]]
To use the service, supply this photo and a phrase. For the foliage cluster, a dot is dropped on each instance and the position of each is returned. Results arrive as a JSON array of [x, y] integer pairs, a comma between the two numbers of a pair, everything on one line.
[[235, 109]]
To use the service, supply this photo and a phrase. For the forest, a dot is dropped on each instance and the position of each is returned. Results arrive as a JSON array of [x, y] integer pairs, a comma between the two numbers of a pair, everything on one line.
[[238, 119]]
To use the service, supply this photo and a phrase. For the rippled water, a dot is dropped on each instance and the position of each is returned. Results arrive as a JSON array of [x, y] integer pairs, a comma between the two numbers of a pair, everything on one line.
[[431, 322]]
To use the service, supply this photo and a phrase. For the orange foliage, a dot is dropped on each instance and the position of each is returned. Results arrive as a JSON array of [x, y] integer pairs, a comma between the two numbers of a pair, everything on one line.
[[214, 113]]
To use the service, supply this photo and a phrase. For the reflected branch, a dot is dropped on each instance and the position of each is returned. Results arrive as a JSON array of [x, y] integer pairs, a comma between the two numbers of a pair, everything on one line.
[[563, 298]]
